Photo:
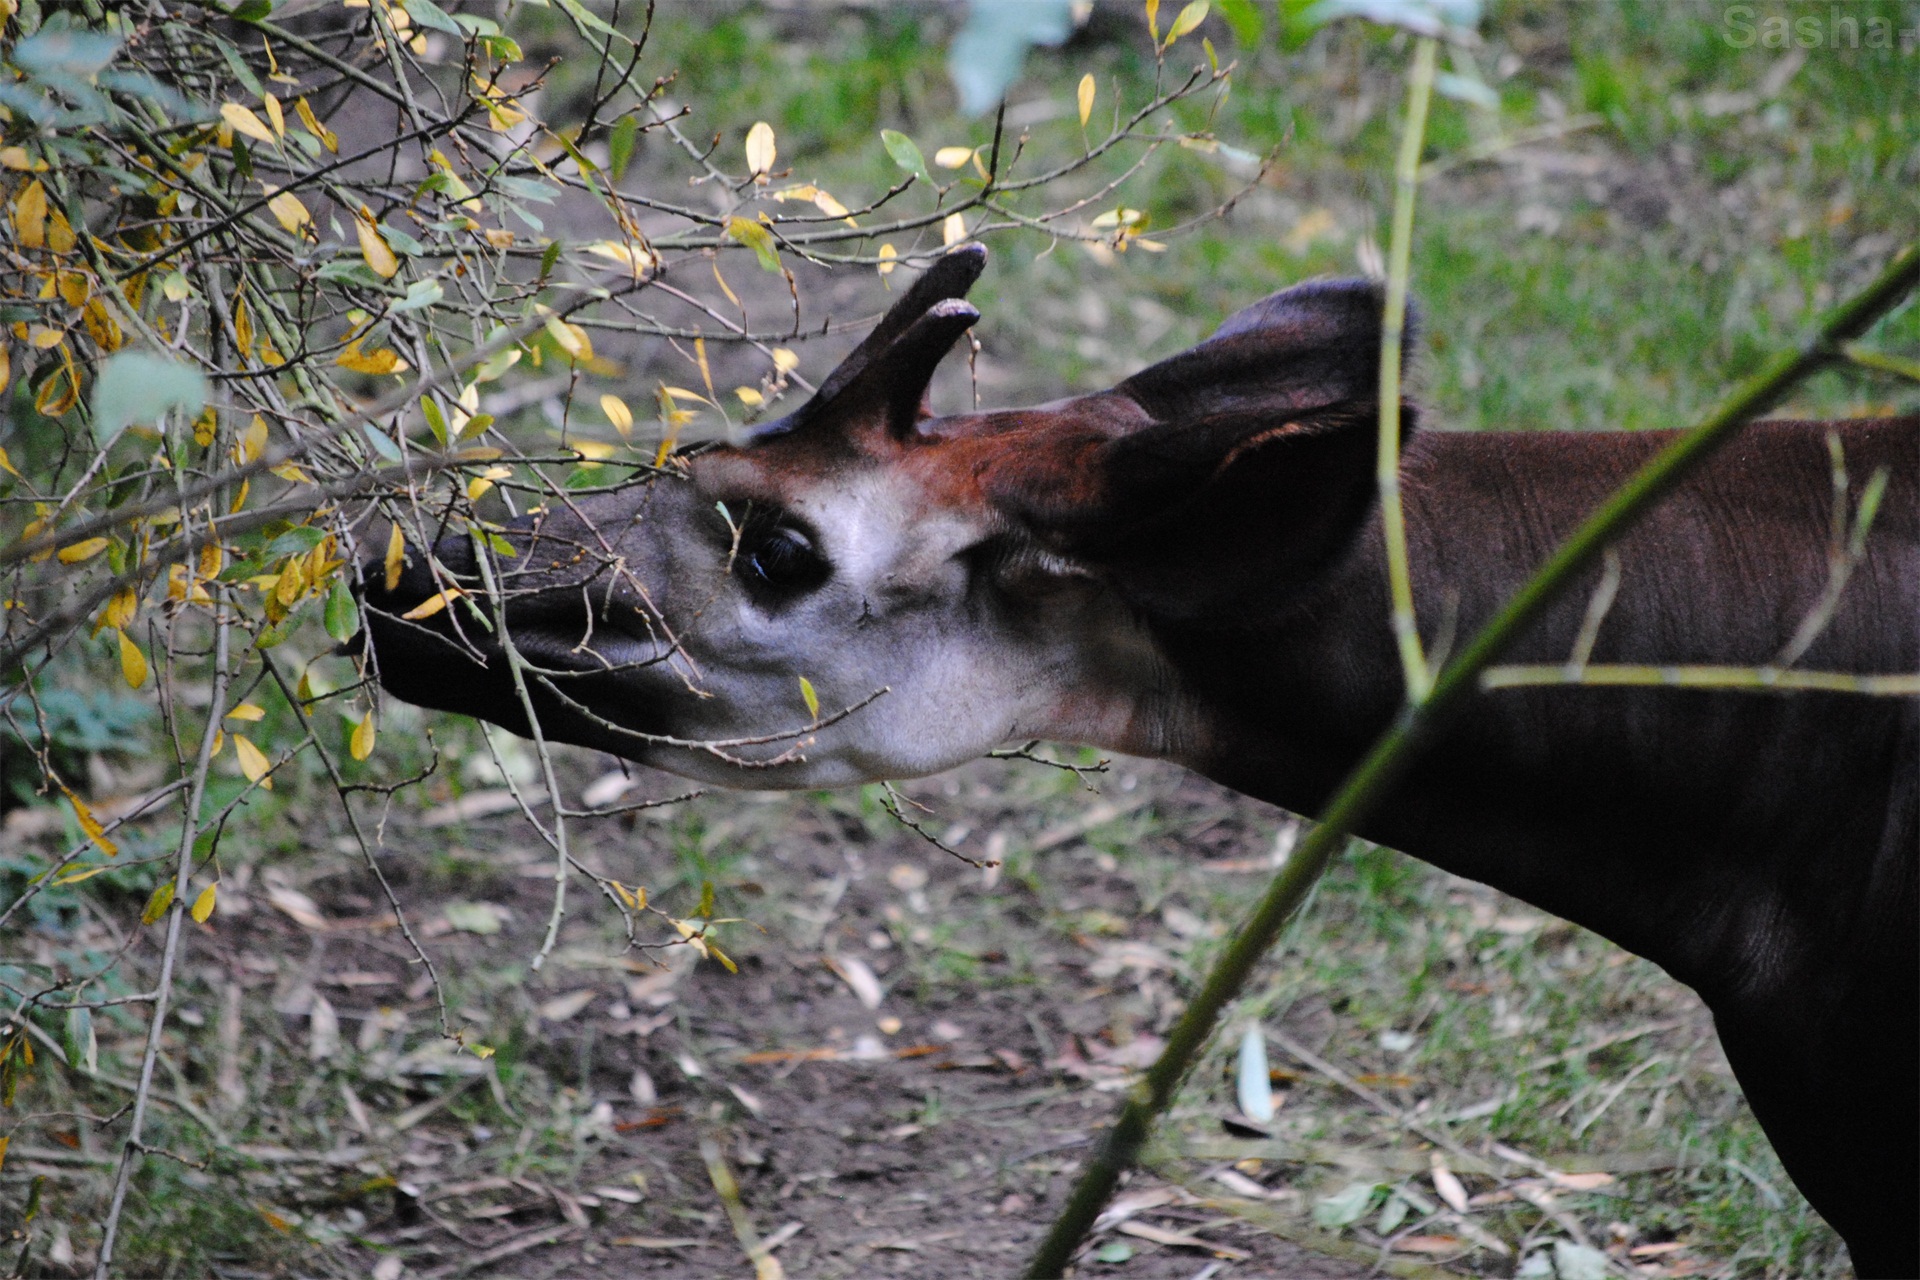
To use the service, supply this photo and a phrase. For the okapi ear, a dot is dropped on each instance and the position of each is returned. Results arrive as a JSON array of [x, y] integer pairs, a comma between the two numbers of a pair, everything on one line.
[[1213, 484], [893, 365]]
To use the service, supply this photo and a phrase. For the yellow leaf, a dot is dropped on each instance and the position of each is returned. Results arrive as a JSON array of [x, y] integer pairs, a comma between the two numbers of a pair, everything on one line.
[[953, 230], [253, 761], [72, 286], [1190, 17], [30, 216], [808, 696], [750, 396], [133, 663], [785, 360], [87, 874], [91, 825], [212, 560], [275, 116], [1153, 20], [384, 360], [242, 322], [888, 254], [60, 237], [396, 557], [6, 373], [952, 157], [292, 583], [203, 905], [617, 413], [247, 711], [44, 337], [832, 207], [327, 137], [253, 442], [360, 745], [61, 393], [288, 211], [86, 549], [16, 158], [157, 902], [241, 120], [123, 606], [1087, 90], [636, 261], [373, 247], [477, 488], [101, 326], [502, 115], [571, 338], [760, 149], [433, 604]]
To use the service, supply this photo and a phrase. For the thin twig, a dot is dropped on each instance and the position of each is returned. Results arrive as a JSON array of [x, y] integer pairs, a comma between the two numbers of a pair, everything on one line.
[[163, 989], [1393, 520]]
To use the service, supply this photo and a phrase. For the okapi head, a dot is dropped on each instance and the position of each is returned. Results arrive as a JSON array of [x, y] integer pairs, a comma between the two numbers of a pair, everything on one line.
[[957, 582]]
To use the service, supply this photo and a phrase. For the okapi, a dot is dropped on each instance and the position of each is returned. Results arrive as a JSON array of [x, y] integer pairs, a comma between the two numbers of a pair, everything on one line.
[[1190, 566]]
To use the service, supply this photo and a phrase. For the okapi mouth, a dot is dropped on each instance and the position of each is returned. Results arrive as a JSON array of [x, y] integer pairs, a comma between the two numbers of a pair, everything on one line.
[[450, 658]]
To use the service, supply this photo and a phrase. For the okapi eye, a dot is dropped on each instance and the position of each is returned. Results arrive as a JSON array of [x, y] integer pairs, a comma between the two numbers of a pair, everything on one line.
[[784, 560]]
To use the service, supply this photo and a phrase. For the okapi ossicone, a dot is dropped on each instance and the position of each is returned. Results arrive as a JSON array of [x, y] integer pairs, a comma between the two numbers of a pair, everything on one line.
[[1190, 566]]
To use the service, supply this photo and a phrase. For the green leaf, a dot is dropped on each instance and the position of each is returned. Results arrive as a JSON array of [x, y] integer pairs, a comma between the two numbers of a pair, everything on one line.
[[705, 909], [82, 1046], [420, 294], [1244, 17], [1392, 1214], [620, 145], [252, 10], [294, 542], [525, 188], [549, 258], [1344, 1207], [808, 696], [1113, 1251], [756, 237], [436, 422], [474, 917], [1190, 17], [343, 612], [382, 443], [138, 386], [426, 13], [501, 47], [580, 14], [350, 270], [905, 153], [158, 902]]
